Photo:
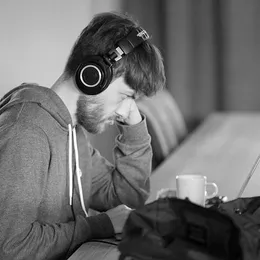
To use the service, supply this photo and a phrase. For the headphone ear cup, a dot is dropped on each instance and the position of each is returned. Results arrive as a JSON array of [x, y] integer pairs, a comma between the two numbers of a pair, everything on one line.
[[94, 75]]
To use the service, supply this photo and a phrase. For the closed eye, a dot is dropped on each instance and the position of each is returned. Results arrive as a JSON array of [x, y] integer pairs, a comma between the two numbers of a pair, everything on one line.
[[125, 96], [132, 96]]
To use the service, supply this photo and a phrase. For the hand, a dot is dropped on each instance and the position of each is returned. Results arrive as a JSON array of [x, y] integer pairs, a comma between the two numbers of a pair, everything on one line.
[[166, 193], [128, 113], [118, 216]]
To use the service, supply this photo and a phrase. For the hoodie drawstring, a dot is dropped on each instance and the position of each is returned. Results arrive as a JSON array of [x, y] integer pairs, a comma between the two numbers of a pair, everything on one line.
[[70, 166], [73, 138]]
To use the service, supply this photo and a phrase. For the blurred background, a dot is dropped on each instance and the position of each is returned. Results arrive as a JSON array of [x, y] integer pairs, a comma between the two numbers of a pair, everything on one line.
[[211, 48]]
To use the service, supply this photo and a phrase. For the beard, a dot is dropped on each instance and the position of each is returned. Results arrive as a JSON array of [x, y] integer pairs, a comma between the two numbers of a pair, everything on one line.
[[90, 114]]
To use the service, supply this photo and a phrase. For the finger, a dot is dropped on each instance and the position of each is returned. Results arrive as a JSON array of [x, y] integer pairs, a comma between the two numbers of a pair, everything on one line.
[[120, 118], [133, 105], [124, 109]]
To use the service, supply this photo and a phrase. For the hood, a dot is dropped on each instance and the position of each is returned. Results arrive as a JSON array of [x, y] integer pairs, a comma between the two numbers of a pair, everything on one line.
[[52, 103], [43, 96]]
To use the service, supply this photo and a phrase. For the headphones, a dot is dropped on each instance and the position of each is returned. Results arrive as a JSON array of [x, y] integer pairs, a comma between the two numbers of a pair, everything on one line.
[[95, 74]]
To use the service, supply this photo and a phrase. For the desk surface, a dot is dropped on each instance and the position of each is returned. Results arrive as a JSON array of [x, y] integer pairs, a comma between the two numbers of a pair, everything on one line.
[[224, 148]]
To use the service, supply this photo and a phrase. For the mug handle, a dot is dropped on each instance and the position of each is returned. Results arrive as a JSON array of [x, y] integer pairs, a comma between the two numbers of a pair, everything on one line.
[[215, 188]]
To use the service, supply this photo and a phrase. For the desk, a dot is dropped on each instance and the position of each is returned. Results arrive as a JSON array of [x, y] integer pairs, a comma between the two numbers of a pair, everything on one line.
[[224, 148]]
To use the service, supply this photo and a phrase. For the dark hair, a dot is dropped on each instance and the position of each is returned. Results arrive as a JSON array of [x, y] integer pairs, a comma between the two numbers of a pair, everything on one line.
[[142, 68]]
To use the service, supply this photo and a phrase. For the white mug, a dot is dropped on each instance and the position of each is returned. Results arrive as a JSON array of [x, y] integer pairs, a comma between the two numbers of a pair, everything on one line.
[[194, 187]]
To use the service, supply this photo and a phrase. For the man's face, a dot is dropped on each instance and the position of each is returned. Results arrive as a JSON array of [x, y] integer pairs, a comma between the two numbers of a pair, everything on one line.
[[95, 113]]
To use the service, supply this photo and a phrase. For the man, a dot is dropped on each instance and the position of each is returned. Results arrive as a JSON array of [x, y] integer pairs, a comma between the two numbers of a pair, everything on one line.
[[50, 174]]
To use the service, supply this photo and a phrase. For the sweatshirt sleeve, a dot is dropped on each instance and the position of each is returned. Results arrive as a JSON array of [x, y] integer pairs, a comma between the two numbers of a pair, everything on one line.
[[127, 181], [24, 162]]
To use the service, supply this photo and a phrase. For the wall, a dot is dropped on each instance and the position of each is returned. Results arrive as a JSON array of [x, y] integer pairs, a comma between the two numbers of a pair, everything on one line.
[[241, 61], [36, 37]]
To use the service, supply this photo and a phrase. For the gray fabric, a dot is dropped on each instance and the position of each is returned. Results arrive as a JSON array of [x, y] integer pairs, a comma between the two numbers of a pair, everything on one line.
[[36, 220]]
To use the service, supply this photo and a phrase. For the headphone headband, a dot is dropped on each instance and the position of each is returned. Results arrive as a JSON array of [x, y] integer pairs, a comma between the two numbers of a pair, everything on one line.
[[126, 45], [96, 73]]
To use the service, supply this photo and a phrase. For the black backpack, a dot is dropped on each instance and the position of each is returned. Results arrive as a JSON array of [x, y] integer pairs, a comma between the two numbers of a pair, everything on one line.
[[172, 228]]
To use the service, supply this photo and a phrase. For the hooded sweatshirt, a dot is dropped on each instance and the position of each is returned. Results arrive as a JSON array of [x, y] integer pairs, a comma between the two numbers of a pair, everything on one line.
[[51, 175]]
